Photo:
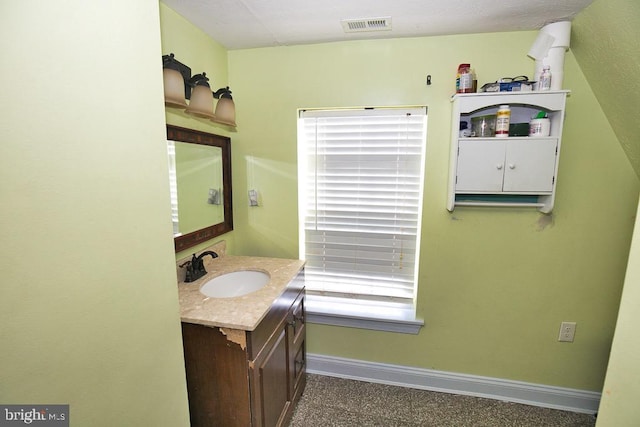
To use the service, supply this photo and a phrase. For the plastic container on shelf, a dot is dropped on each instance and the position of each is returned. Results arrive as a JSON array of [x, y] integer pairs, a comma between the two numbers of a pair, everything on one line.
[[540, 127], [545, 79], [465, 132], [474, 81], [464, 79], [503, 118], [519, 129], [483, 126]]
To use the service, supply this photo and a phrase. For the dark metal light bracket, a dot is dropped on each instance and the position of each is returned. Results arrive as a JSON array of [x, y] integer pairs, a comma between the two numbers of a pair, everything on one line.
[[169, 61], [223, 92]]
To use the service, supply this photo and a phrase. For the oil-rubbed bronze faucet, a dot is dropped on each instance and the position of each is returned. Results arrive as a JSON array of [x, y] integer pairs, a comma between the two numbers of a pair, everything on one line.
[[195, 266]]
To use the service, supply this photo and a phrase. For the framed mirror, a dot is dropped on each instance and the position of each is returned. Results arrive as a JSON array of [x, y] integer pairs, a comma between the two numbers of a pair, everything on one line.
[[200, 171]]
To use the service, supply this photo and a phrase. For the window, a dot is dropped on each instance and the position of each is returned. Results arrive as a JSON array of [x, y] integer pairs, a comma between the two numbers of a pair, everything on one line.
[[360, 198], [173, 186]]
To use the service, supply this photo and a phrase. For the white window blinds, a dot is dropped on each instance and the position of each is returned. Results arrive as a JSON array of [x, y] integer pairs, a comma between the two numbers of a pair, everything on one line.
[[360, 183]]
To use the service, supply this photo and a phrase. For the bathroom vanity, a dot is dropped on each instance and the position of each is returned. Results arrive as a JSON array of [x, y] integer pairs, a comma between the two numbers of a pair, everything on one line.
[[245, 355]]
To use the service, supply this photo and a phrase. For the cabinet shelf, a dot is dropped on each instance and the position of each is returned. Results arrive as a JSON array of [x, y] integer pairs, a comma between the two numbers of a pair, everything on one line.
[[517, 171]]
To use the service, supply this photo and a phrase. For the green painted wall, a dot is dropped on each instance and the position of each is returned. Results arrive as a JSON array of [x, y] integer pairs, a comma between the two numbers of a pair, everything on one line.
[[605, 39], [194, 48], [494, 284], [607, 36], [88, 303], [619, 404]]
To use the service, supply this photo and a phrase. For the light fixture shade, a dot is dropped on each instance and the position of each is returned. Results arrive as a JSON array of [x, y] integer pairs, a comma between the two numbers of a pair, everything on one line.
[[173, 88], [226, 111], [201, 102]]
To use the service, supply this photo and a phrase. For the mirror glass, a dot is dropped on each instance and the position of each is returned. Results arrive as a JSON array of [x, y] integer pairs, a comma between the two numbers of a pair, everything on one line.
[[200, 174], [198, 185]]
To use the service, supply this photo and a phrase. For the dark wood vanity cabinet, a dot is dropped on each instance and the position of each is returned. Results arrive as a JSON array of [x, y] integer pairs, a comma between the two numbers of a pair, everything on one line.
[[248, 378]]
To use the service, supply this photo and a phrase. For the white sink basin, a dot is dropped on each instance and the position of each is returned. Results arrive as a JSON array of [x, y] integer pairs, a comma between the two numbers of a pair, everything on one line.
[[235, 284]]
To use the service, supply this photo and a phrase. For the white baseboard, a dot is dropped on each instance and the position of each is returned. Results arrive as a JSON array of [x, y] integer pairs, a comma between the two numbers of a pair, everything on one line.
[[448, 382]]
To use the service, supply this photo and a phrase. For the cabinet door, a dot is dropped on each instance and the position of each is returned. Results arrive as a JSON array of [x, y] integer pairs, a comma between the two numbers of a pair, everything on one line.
[[213, 364], [480, 165], [270, 382], [297, 350], [530, 165]]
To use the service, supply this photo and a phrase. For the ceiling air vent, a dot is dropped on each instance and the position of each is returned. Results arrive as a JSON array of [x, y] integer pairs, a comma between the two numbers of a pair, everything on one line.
[[366, 24]]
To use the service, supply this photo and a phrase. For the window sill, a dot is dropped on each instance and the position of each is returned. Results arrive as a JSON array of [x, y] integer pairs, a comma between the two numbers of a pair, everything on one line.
[[377, 316]]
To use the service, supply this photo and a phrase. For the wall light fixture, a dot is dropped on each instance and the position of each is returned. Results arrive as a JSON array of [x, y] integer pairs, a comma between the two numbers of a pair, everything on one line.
[[225, 108], [180, 86]]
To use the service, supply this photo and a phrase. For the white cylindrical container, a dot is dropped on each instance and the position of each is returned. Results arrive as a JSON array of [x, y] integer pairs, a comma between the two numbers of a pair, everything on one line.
[[540, 127], [555, 39], [503, 117]]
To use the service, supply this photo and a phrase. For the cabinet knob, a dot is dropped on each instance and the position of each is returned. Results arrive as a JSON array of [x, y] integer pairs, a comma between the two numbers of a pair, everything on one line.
[[295, 321], [512, 166], [499, 167]]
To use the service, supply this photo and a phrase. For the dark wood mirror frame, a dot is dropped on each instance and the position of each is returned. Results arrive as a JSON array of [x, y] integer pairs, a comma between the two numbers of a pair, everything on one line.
[[175, 133]]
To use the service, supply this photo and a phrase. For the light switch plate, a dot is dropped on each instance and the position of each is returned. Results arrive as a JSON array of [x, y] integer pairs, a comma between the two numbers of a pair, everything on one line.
[[214, 197], [253, 198]]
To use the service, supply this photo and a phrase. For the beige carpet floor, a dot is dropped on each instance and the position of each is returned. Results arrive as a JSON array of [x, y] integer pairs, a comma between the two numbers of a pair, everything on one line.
[[336, 402]]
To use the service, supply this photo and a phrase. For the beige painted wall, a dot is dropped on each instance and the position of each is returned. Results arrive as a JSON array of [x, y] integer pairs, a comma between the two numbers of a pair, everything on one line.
[[88, 302], [494, 284]]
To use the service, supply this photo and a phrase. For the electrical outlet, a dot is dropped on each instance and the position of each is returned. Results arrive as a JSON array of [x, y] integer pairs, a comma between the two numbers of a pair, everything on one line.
[[567, 331]]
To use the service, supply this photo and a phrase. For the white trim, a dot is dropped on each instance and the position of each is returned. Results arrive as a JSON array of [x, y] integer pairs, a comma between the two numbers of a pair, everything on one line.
[[306, 113], [566, 399], [387, 325], [377, 316]]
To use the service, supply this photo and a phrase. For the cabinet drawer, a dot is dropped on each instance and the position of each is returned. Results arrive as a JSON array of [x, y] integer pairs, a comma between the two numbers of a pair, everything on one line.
[[297, 349], [298, 319], [299, 361], [298, 330]]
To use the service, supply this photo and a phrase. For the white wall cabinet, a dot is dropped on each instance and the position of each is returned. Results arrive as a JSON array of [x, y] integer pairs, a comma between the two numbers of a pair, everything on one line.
[[507, 172]]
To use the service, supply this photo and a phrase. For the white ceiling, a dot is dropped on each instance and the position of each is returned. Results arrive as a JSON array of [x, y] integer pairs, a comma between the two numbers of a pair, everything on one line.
[[240, 24]]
